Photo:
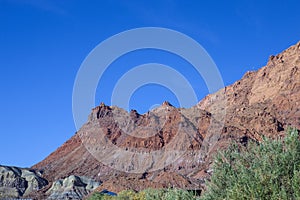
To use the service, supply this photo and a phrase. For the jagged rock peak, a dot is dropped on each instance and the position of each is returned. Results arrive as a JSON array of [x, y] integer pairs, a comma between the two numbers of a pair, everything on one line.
[[102, 106], [100, 111], [166, 103], [286, 55], [134, 113]]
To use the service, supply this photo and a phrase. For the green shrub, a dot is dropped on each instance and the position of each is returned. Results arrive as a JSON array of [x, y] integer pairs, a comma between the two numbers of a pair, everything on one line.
[[130, 195], [168, 194], [269, 170], [97, 196], [148, 194]]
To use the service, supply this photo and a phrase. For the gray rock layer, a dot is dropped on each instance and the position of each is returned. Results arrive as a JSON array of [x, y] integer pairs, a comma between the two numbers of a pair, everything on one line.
[[72, 187], [17, 182]]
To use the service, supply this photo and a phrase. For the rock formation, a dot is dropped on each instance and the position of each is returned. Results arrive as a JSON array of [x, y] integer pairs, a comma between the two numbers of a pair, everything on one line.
[[72, 187], [16, 182]]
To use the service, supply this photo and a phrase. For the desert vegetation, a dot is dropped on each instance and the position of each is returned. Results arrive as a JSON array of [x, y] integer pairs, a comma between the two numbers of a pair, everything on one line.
[[267, 170]]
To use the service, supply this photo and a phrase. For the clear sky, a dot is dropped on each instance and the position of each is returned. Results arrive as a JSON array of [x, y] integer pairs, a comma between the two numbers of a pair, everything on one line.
[[43, 43]]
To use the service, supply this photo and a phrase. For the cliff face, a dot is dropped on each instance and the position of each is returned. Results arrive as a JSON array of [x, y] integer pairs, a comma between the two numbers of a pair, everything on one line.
[[265, 101], [277, 86], [171, 146]]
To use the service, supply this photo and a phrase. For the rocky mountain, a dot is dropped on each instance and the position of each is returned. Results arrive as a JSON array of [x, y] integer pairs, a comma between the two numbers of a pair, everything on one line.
[[173, 147]]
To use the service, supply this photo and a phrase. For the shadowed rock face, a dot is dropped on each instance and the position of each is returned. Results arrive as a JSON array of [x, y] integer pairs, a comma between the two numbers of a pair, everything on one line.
[[72, 187], [171, 146], [16, 182], [22, 183]]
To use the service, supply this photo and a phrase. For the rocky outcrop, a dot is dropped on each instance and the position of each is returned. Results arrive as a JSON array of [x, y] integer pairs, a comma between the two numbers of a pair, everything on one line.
[[133, 138], [273, 90], [28, 183], [72, 187], [17, 182]]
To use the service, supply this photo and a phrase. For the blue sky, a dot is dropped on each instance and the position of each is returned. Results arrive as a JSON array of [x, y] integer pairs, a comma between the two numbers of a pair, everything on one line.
[[43, 43]]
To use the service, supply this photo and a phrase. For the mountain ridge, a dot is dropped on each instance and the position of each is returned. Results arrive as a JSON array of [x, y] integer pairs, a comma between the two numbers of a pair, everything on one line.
[[242, 105], [263, 103]]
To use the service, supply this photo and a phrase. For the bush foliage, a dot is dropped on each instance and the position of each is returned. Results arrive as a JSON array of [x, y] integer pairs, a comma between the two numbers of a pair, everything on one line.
[[269, 170]]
